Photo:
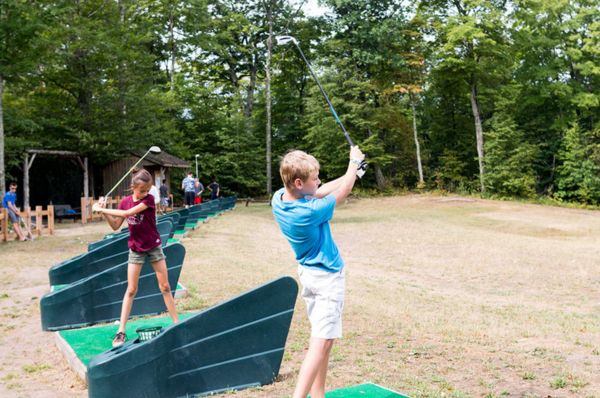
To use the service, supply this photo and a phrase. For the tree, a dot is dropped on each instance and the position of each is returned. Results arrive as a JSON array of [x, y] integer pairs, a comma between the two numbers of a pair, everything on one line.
[[471, 42], [20, 46], [578, 176]]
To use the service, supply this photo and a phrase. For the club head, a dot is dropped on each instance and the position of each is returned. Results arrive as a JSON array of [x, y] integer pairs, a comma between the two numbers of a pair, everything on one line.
[[154, 150], [285, 40]]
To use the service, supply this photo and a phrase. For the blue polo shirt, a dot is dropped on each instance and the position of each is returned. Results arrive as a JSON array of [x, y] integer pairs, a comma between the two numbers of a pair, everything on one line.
[[9, 197], [305, 224]]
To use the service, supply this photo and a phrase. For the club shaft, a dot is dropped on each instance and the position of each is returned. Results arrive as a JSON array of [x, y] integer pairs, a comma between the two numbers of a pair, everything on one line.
[[121, 180], [324, 95]]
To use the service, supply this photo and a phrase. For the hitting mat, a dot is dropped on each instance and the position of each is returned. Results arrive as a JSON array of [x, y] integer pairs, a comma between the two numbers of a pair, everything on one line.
[[92, 341], [368, 390]]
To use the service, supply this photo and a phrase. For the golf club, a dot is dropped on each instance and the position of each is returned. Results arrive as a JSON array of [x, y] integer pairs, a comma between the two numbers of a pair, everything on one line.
[[286, 39], [154, 150], [26, 227]]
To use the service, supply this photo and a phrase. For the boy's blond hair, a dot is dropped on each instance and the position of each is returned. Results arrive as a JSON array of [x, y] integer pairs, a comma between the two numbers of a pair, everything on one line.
[[297, 164]]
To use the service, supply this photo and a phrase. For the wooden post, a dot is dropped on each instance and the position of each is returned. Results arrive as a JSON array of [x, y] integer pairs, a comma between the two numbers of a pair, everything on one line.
[[51, 220], [26, 181], [4, 220], [26, 215], [83, 212], [86, 183], [26, 166], [38, 220]]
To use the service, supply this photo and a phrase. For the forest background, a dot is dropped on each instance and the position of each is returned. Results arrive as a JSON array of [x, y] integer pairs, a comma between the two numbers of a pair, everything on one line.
[[484, 97]]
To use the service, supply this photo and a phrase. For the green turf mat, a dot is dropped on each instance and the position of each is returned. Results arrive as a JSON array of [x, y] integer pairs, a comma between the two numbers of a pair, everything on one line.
[[172, 241], [368, 390], [179, 232], [57, 287], [190, 225], [89, 342], [202, 220]]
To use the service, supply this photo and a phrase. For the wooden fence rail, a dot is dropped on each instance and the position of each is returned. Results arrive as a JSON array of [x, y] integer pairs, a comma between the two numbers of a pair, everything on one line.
[[86, 208], [27, 214], [113, 203]]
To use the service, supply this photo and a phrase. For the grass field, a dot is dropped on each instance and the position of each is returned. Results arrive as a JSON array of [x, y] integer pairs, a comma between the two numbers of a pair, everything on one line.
[[445, 297]]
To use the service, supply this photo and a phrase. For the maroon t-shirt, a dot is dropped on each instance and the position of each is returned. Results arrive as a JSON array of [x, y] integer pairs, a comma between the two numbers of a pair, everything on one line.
[[143, 234]]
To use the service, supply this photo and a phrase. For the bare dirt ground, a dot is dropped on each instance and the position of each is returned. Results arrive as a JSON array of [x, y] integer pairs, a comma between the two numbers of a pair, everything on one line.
[[445, 298]]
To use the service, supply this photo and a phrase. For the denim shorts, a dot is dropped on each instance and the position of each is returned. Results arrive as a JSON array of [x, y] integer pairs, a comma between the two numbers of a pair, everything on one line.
[[153, 255], [13, 217], [324, 295]]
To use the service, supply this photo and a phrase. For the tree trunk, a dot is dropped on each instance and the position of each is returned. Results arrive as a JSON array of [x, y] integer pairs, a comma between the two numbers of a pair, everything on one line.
[[478, 133], [2, 172], [269, 50], [250, 98], [412, 102], [379, 178], [172, 53]]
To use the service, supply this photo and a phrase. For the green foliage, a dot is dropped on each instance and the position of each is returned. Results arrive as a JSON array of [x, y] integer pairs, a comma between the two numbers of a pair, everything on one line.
[[578, 178], [95, 77], [509, 159]]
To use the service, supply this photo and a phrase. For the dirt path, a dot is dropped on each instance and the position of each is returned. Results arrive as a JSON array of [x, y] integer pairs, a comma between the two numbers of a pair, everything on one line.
[[444, 298]]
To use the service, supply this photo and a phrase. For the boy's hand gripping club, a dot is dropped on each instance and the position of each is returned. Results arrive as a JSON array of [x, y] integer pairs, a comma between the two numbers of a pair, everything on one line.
[[286, 39]]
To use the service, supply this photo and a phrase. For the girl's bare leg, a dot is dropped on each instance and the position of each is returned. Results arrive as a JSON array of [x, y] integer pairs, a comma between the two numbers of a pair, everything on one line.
[[133, 277], [160, 268]]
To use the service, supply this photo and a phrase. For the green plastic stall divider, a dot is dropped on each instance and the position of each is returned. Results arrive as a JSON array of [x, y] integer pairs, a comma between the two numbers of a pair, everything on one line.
[[100, 259], [195, 211], [234, 345], [125, 232], [98, 298], [183, 215]]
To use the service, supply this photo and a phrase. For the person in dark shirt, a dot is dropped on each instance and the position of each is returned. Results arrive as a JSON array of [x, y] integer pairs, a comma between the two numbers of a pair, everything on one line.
[[214, 189], [164, 196]]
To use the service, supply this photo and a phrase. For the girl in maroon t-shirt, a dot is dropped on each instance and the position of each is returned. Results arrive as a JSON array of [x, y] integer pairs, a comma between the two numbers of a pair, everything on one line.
[[144, 240]]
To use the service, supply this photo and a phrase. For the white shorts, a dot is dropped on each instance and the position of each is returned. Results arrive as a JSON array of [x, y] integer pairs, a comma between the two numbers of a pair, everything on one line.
[[324, 295]]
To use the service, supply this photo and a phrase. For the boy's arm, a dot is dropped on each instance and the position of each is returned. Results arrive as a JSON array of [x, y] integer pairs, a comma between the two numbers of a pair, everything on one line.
[[347, 181], [328, 188], [13, 208]]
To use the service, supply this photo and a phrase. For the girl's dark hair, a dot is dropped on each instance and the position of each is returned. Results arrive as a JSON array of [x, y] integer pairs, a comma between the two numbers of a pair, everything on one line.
[[140, 177]]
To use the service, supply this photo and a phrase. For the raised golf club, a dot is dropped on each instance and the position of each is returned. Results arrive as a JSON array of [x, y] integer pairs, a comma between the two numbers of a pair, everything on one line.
[[285, 40], [154, 150]]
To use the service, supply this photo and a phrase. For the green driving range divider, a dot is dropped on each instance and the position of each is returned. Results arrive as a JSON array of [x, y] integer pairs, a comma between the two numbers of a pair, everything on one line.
[[100, 259], [183, 215], [98, 298], [173, 217], [233, 345]]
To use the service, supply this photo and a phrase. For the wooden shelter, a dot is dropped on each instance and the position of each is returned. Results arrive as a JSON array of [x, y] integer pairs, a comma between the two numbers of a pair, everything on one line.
[[158, 166], [83, 163]]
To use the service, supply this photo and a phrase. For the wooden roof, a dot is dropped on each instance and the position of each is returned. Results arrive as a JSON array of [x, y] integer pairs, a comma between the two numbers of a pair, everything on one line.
[[163, 159]]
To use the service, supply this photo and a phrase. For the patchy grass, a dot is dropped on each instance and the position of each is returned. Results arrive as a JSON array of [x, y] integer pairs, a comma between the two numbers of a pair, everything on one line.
[[464, 299]]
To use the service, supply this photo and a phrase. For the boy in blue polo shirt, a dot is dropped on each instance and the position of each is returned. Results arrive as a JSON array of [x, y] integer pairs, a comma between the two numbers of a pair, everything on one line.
[[9, 203], [303, 210]]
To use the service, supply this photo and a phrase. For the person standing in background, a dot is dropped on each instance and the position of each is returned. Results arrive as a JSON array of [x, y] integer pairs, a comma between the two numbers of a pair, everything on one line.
[[214, 189], [199, 190], [164, 197]]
